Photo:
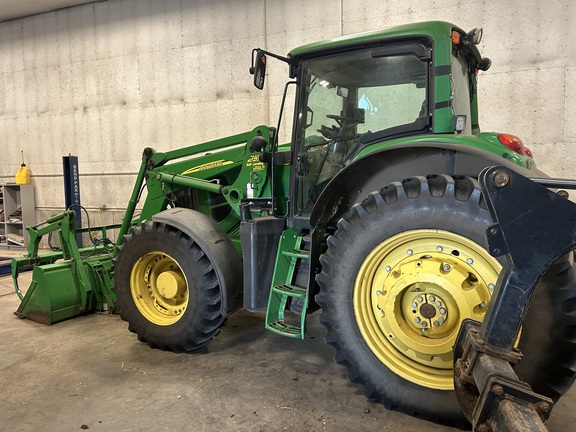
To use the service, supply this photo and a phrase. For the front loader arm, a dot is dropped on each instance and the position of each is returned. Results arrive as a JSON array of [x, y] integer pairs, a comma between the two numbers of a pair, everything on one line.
[[229, 167]]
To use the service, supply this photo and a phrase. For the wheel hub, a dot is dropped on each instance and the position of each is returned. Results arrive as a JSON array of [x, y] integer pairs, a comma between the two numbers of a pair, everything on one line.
[[159, 288], [411, 294], [170, 284], [427, 310]]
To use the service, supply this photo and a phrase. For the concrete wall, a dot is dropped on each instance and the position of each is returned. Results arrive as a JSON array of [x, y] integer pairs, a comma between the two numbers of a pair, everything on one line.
[[104, 80]]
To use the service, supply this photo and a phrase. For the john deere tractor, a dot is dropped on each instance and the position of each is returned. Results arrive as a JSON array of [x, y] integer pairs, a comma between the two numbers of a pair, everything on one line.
[[371, 213]]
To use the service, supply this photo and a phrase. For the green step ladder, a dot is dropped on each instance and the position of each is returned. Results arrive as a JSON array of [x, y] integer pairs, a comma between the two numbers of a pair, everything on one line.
[[289, 252]]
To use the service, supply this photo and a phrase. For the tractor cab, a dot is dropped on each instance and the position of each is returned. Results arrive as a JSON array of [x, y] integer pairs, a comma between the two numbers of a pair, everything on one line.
[[347, 101], [354, 92]]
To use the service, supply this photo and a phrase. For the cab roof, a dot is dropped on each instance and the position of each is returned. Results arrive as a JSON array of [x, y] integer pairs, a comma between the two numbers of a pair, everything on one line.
[[429, 29]]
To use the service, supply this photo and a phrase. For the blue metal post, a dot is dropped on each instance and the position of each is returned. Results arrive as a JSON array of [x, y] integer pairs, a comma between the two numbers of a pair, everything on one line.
[[72, 190]]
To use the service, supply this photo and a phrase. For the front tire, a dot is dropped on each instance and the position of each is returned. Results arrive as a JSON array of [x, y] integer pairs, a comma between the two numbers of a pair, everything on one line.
[[167, 288]]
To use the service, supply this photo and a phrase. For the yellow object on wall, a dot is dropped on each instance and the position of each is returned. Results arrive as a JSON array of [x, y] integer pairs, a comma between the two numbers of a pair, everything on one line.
[[23, 174]]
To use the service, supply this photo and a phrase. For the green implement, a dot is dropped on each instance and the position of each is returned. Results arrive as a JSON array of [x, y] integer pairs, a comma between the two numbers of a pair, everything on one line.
[[67, 283]]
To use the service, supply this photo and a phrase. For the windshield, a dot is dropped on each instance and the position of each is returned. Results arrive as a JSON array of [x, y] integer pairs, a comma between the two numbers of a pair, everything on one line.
[[349, 100]]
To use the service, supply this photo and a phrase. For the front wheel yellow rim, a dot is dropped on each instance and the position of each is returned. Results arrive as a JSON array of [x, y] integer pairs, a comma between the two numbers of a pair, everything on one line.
[[159, 288], [411, 294]]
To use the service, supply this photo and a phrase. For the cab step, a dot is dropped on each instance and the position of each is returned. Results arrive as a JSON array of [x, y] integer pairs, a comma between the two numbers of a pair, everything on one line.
[[296, 253], [283, 329], [290, 251], [290, 290]]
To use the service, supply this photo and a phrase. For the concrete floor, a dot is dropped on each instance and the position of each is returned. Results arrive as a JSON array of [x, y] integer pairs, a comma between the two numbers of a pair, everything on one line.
[[90, 372]]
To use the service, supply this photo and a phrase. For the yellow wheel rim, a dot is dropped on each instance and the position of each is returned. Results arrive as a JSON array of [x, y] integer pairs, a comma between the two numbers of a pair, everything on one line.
[[159, 288], [411, 294]]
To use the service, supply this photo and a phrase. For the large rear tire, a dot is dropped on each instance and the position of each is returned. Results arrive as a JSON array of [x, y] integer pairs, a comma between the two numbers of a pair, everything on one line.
[[400, 273], [548, 339], [167, 288]]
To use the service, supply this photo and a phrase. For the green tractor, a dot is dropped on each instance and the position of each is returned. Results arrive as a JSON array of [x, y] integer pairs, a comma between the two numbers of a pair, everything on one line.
[[372, 213]]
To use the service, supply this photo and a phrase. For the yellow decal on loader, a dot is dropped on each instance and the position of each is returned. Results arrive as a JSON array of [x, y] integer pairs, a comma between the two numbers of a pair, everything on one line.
[[255, 163], [209, 165]]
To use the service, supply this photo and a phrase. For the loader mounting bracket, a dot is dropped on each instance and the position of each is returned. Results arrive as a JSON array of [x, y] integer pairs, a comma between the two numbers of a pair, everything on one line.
[[489, 391]]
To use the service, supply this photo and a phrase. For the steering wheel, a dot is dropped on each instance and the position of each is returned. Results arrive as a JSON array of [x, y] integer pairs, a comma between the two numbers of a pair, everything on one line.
[[343, 123], [329, 132], [348, 121]]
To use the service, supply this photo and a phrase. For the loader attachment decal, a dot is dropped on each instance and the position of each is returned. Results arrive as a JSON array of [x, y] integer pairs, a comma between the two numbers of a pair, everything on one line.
[[209, 165], [255, 163]]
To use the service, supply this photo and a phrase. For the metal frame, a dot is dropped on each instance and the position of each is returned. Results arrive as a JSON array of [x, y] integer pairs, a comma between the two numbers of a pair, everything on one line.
[[491, 395]]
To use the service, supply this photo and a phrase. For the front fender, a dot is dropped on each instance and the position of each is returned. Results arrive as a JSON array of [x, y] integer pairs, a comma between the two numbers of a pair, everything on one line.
[[376, 170], [217, 246]]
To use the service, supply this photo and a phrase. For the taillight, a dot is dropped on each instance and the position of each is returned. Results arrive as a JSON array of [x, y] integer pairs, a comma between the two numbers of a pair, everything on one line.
[[513, 143]]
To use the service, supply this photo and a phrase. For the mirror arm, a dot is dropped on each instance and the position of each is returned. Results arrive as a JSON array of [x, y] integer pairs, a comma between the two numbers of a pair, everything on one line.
[[271, 54]]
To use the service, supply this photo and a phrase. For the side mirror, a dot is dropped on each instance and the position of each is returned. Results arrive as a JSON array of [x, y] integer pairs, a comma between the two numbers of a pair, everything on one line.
[[485, 64], [258, 68], [474, 36]]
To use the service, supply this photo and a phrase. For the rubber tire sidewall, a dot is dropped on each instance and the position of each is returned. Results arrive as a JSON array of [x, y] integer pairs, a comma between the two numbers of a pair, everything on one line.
[[548, 339], [201, 318], [445, 212]]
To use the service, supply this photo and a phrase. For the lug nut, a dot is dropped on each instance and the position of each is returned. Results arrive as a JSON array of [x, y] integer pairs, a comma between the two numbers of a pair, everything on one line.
[[388, 268], [424, 324], [440, 320], [446, 267], [483, 428], [436, 323], [483, 304], [378, 292], [501, 179], [490, 287], [409, 252], [417, 320], [442, 311], [470, 261], [431, 298], [497, 390], [419, 298], [439, 249], [438, 303], [543, 407], [413, 304]]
